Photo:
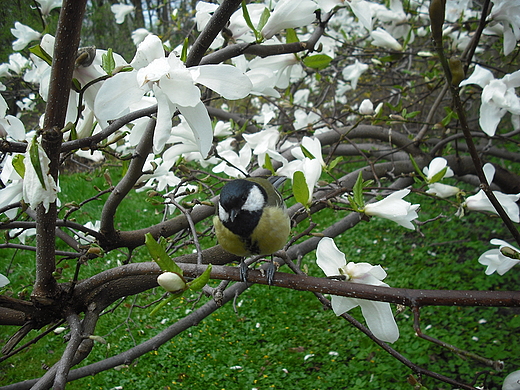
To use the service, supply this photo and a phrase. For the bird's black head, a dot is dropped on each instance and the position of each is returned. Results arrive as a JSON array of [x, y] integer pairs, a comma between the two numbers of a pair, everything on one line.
[[240, 206]]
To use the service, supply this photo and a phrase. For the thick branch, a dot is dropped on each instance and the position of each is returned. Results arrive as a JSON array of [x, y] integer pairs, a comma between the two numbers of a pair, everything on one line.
[[213, 28], [135, 171]]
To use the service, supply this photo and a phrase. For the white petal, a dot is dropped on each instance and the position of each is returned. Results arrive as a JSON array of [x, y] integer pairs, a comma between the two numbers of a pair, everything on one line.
[[289, 14], [147, 51], [489, 172], [442, 190], [163, 126], [490, 116], [329, 258], [3, 281], [14, 127], [480, 76], [341, 304], [179, 87], [116, 95], [380, 320], [362, 10], [512, 381], [199, 121], [226, 80]]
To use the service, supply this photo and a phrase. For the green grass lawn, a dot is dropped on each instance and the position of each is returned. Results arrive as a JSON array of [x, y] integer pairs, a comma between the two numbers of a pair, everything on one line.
[[283, 339]]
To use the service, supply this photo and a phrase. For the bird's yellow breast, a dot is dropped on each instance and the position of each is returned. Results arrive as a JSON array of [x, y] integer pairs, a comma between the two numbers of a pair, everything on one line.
[[269, 236]]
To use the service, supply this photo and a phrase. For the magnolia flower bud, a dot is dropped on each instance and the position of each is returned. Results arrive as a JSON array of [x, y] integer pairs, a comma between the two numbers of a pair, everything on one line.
[[457, 71], [366, 107], [59, 329], [171, 281], [437, 14]]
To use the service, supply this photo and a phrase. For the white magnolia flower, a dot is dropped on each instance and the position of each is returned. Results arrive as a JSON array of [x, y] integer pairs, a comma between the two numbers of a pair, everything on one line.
[[378, 315], [289, 14], [24, 34], [84, 74], [512, 381], [17, 63], [360, 8], [9, 124], [507, 13], [480, 201], [34, 191], [264, 143], [304, 119], [284, 67], [139, 35], [239, 160], [120, 11], [311, 169], [442, 190], [84, 238], [436, 166], [495, 260], [394, 208], [174, 87], [12, 192], [267, 113], [264, 81], [46, 6], [353, 72], [3, 281], [312, 145], [382, 38], [498, 97]]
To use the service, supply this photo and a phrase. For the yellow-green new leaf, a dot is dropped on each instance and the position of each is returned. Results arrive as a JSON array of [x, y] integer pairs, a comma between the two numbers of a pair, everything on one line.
[[159, 255], [300, 188], [18, 164], [317, 61], [201, 281], [34, 154]]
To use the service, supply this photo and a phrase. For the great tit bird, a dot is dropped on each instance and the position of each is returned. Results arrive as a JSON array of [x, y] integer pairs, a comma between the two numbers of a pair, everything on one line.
[[251, 218]]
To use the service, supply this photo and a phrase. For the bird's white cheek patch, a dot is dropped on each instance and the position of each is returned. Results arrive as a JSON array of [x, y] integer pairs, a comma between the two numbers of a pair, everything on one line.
[[255, 200], [223, 214]]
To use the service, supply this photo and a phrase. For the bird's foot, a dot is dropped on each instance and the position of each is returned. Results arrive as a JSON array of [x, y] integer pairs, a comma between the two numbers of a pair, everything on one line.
[[271, 267], [244, 269]]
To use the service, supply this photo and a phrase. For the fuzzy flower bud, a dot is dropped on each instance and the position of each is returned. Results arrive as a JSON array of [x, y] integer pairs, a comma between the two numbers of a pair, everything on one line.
[[171, 281]]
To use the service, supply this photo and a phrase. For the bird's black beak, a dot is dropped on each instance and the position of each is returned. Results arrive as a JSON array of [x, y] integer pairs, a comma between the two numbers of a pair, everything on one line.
[[232, 214]]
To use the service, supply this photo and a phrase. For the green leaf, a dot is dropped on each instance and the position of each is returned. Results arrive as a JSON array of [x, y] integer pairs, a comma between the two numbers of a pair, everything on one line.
[[159, 255], [317, 61], [76, 86], [184, 53], [108, 64], [73, 134], [34, 154], [164, 302], [439, 175], [335, 162], [300, 189], [38, 51], [306, 152], [201, 281], [290, 36], [263, 19], [18, 164], [247, 18], [417, 169], [359, 200], [268, 164], [412, 114]]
